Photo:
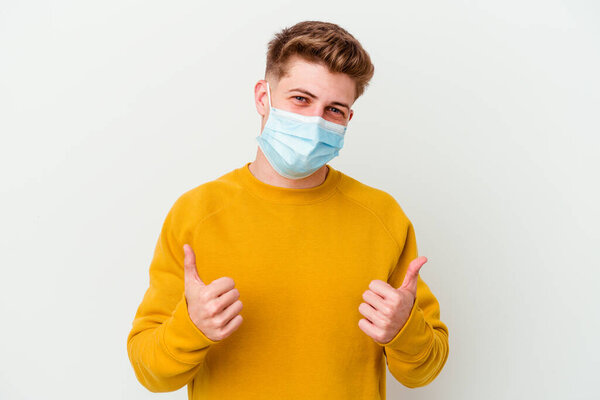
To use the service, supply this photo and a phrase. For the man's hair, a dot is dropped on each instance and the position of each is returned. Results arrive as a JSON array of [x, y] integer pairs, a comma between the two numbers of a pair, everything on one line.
[[321, 42]]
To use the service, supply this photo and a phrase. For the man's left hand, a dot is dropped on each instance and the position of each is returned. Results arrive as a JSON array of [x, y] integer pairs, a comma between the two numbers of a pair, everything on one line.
[[387, 309]]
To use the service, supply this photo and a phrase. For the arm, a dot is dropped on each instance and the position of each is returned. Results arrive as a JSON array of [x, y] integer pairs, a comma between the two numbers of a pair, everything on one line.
[[417, 354], [165, 347]]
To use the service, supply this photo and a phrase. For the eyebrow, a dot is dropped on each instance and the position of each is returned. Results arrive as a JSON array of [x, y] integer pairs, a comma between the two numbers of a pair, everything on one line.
[[337, 103]]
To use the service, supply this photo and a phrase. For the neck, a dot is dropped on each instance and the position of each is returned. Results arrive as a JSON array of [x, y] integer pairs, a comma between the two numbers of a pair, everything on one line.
[[264, 172]]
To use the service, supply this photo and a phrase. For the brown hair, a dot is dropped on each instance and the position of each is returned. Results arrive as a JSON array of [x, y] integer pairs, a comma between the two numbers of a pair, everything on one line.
[[322, 42]]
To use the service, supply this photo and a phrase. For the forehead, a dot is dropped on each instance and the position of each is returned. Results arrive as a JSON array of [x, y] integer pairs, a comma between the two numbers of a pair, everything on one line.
[[318, 79]]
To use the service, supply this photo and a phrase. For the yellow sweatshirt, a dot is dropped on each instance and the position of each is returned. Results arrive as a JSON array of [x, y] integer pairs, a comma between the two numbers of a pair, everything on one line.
[[301, 260]]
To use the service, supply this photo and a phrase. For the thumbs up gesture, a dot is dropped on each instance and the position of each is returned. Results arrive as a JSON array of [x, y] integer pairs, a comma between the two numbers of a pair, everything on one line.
[[387, 309], [213, 308]]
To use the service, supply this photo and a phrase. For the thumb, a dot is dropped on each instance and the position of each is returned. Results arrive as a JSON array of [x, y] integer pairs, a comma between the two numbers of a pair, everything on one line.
[[190, 271], [412, 275]]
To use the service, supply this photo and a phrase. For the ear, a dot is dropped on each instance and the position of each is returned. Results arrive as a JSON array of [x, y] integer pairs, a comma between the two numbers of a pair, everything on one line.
[[351, 115], [260, 98]]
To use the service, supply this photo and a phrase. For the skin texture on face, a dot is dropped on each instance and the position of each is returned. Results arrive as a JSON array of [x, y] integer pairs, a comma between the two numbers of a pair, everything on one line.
[[310, 89]]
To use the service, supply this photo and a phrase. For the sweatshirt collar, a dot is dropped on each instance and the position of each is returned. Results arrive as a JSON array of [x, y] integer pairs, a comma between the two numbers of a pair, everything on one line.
[[278, 194]]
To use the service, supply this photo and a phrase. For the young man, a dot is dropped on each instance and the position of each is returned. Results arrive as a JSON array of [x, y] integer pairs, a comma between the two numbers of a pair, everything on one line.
[[326, 266]]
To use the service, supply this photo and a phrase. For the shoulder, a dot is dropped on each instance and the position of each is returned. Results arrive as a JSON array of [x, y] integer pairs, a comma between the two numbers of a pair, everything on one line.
[[206, 198], [378, 200], [381, 203]]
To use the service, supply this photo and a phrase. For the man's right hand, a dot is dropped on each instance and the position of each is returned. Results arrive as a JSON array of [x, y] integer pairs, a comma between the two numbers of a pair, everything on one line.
[[213, 308]]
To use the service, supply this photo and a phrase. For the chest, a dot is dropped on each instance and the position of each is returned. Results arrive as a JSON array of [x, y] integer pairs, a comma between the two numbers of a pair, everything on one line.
[[312, 248]]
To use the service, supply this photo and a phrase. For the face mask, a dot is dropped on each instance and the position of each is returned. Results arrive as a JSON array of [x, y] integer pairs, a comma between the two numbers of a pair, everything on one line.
[[297, 145]]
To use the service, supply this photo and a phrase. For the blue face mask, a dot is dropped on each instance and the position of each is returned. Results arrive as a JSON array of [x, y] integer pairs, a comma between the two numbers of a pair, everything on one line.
[[297, 145]]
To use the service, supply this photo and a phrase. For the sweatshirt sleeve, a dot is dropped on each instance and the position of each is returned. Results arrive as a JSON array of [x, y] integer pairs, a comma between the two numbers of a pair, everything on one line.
[[165, 348], [418, 352]]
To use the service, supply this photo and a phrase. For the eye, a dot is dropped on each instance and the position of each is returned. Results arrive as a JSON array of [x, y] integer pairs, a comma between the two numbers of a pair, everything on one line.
[[300, 98], [338, 113]]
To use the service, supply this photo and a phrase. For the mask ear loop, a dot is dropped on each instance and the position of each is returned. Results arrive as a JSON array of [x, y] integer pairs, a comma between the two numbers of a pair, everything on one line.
[[269, 95]]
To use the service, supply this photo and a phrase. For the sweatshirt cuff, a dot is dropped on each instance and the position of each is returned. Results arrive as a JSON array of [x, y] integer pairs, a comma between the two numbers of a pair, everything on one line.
[[415, 337], [182, 338]]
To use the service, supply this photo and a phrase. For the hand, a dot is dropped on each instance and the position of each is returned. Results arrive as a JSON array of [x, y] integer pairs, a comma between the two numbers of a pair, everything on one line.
[[212, 308], [387, 309]]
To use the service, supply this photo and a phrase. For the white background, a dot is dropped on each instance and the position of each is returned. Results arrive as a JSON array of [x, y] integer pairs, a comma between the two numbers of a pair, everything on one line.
[[482, 120]]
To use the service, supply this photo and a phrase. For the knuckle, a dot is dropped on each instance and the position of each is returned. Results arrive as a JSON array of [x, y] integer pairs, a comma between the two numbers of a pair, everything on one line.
[[219, 321], [386, 310], [386, 320], [212, 309]]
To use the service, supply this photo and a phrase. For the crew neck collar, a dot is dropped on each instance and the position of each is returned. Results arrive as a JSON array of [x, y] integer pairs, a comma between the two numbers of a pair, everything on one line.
[[278, 194]]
